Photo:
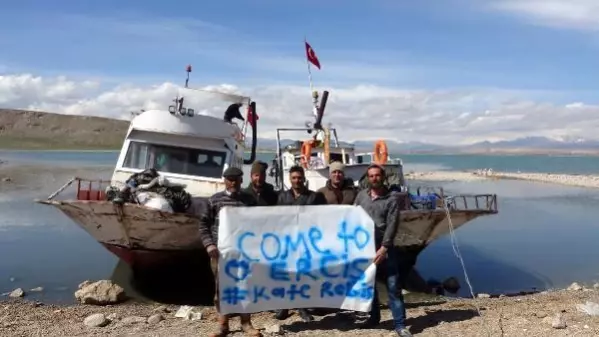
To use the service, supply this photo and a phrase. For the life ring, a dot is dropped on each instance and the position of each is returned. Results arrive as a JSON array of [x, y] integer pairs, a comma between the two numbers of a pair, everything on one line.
[[306, 153], [380, 152]]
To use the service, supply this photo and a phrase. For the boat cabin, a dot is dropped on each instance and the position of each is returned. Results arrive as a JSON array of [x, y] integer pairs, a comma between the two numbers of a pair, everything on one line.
[[188, 149], [317, 153], [345, 153]]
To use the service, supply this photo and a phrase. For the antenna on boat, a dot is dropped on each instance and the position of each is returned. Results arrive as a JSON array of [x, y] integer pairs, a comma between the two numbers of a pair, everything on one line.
[[178, 108]]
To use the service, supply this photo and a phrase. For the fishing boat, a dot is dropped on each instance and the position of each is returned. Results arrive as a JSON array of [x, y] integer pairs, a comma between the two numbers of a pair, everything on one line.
[[186, 149], [192, 150], [425, 217]]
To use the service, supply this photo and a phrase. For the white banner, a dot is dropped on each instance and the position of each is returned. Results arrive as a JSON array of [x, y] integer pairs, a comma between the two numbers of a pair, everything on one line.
[[288, 257]]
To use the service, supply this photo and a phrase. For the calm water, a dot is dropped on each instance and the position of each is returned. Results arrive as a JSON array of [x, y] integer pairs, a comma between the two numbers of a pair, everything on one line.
[[543, 237]]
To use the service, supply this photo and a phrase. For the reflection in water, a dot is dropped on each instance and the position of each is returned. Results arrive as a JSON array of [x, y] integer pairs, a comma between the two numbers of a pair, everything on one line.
[[544, 236], [187, 282], [486, 273]]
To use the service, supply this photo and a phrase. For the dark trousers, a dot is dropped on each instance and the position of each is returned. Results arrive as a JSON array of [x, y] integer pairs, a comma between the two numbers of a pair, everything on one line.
[[393, 280]]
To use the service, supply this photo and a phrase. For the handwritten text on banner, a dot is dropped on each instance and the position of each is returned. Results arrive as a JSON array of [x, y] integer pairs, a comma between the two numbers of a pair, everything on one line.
[[288, 257]]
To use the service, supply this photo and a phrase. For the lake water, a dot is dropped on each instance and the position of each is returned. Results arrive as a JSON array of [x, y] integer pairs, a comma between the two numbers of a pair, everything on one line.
[[543, 237]]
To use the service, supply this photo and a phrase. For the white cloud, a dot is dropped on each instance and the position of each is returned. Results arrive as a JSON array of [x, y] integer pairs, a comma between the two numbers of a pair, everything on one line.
[[359, 112], [571, 14]]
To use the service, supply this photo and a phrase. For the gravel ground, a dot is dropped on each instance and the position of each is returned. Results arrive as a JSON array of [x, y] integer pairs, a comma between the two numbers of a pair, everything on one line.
[[530, 315]]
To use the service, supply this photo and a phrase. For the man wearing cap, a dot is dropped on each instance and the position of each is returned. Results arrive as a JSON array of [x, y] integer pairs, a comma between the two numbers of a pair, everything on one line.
[[232, 196], [263, 192], [383, 208], [338, 190], [299, 194]]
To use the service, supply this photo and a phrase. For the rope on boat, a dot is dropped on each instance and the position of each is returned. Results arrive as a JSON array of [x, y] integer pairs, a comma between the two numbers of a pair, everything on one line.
[[53, 195], [458, 254]]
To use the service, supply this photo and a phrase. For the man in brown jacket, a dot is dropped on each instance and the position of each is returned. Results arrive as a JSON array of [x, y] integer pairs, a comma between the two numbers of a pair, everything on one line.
[[338, 190]]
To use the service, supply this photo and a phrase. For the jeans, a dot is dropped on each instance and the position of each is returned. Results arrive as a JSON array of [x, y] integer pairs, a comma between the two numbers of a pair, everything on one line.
[[394, 283]]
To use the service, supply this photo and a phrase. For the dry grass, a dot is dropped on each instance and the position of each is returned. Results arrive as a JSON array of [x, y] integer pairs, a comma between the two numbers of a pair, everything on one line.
[[40, 130]]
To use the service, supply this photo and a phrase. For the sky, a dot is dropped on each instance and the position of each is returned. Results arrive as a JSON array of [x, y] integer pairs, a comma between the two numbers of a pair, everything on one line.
[[435, 71]]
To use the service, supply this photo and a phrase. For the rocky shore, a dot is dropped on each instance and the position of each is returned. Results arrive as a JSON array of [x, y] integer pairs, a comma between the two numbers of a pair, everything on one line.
[[570, 312], [468, 176]]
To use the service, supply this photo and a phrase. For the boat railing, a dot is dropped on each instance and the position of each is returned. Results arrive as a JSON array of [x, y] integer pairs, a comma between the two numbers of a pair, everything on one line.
[[87, 189], [390, 160], [459, 202], [472, 202]]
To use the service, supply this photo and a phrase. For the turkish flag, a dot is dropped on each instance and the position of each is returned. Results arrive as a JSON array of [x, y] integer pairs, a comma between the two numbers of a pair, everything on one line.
[[252, 117], [312, 56]]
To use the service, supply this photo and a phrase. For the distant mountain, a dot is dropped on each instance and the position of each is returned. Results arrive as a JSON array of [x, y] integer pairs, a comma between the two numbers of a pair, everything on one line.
[[40, 130], [394, 147], [539, 143], [520, 145]]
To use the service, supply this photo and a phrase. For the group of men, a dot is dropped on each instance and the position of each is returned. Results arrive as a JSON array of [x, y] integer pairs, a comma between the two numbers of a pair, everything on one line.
[[376, 200]]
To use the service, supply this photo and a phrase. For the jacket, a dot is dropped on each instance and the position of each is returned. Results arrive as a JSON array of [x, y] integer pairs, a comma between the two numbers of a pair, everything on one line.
[[307, 197], [384, 211], [266, 197], [209, 221], [342, 196]]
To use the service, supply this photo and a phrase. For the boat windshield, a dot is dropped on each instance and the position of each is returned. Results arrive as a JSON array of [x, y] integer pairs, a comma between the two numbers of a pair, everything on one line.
[[178, 160]]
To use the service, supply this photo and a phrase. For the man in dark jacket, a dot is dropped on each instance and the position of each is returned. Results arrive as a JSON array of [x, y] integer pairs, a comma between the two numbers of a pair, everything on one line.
[[298, 195], [383, 208], [338, 190], [264, 192], [232, 196]]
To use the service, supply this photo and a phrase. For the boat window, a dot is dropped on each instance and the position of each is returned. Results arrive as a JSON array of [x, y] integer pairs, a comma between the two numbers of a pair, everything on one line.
[[363, 159], [339, 157], [179, 160]]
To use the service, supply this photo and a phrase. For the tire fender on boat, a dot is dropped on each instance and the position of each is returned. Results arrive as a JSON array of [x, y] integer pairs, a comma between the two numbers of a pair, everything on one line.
[[306, 153], [381, 152]]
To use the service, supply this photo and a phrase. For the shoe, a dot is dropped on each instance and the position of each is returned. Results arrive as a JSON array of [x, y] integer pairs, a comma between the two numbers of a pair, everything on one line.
[[247, 327], [369, 324], [282, 314], [250, 331], [223, 327], [306, 317], [403, 332]]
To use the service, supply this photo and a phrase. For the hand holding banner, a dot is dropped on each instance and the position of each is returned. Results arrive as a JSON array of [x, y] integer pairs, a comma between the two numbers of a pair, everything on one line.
[[289, 257]]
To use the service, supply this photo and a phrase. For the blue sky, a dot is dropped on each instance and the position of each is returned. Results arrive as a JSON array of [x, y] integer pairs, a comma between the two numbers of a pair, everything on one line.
[[424, 44], [472, 62]]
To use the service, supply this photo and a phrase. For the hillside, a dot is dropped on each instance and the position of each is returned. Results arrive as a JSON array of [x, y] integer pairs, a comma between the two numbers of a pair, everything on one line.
[[39, 130], [48, 131]]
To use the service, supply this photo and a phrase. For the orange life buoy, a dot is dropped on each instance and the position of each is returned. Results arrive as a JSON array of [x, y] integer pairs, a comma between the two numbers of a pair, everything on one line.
[[306, 153], [380, 152]]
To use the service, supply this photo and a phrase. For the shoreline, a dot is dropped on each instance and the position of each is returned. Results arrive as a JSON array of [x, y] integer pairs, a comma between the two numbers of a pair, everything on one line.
[[16, 175], [574, 180], [549, 313]]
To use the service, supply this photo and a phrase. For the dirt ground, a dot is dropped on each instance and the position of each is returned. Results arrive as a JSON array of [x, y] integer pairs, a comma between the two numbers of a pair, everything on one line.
[[530, 315]]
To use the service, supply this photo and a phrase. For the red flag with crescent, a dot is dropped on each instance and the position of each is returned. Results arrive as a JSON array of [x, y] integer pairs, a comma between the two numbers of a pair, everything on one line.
[[311, 55]]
